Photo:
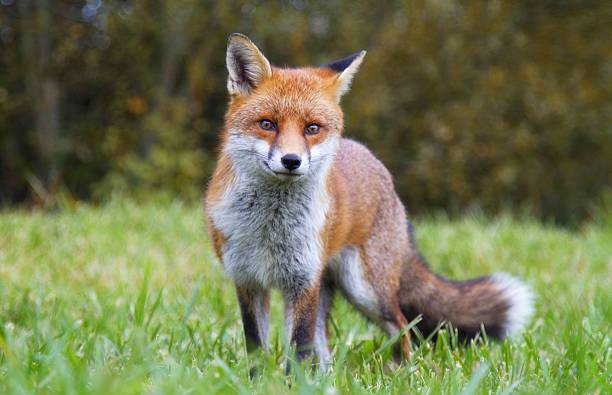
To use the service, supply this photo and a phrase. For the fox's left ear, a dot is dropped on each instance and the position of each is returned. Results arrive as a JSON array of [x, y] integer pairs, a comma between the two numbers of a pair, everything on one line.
[[246, 64], [346, 69]]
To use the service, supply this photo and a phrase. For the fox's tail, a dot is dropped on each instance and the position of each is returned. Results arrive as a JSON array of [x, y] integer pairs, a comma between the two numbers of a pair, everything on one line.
[[500, 303]]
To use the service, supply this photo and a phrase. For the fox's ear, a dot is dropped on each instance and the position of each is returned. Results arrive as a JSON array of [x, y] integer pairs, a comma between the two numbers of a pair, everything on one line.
[[246, 65], [346, 69]]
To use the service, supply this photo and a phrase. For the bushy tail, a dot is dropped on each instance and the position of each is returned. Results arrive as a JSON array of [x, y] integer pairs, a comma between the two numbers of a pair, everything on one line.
[[500, 303]]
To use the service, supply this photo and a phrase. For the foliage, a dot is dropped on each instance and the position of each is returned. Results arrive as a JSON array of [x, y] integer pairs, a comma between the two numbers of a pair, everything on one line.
[[470, 103], [127, 298]]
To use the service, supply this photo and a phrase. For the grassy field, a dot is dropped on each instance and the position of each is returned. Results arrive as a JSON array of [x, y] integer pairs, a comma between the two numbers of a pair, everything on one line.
[[128, 298]]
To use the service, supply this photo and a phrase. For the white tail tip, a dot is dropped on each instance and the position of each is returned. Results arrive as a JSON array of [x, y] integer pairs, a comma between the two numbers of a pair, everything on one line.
[[521, 300]]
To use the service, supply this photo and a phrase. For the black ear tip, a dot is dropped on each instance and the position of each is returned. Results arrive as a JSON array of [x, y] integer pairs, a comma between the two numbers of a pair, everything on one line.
[[341, 64]]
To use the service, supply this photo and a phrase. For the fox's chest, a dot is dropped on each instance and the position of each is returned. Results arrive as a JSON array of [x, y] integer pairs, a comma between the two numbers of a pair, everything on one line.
[[272, 234]]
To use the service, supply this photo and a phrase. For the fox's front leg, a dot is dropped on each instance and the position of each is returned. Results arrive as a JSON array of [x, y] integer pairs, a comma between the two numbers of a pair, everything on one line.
[[300, 321], [255, 310]]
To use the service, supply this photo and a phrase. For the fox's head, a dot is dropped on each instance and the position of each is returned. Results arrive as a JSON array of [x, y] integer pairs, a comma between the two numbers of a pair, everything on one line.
[[283, 123]]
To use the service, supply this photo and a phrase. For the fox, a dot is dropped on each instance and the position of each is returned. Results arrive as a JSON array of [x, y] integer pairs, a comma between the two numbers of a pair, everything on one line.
[[293, 205]]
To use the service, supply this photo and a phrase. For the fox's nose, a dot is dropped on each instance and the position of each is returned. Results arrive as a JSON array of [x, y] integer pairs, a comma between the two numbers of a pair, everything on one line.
[[291, 161]]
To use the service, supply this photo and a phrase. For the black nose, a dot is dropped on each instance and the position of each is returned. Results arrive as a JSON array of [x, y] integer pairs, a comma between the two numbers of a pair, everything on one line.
[[291, 161]]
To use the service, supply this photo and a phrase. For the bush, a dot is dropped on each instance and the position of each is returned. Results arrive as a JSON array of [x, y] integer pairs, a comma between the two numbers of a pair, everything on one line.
[[489, 104]]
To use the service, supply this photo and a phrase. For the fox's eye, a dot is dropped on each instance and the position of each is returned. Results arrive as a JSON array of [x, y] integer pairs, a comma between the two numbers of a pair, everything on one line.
[[313, 128], [266, 124]]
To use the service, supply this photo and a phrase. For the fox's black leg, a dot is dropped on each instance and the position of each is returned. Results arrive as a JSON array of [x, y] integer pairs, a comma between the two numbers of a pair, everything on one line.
[[254, 307], [393, 325], [300, 321], [321, 329]]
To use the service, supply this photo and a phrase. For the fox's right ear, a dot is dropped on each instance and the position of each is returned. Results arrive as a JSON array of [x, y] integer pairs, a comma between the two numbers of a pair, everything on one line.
[[246, 65], [345, 69]]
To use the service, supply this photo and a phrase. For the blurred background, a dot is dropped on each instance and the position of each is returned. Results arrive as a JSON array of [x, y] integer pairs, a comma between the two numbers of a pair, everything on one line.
[[493, 105]]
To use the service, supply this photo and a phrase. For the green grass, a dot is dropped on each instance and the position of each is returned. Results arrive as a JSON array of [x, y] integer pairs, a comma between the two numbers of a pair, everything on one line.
[[128, 298]]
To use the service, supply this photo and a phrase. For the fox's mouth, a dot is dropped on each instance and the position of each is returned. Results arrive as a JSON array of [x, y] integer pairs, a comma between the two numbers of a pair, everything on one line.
[[282, 174]]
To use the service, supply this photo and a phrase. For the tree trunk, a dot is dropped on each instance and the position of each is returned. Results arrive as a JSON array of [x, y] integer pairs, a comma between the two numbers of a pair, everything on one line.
[[42, 88]]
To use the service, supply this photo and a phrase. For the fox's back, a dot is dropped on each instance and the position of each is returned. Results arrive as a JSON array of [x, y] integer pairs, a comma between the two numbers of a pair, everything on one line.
[[368, 180], [362, 194]]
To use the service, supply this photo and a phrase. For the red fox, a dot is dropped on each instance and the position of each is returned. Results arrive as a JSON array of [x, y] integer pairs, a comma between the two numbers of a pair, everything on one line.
[[295, 206]]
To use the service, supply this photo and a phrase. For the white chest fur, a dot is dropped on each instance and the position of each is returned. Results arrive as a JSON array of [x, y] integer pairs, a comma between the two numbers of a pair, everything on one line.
[[273, 231]]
